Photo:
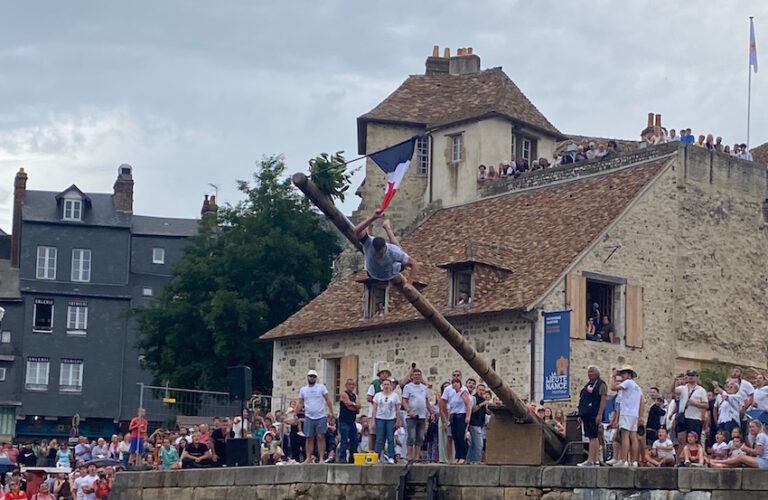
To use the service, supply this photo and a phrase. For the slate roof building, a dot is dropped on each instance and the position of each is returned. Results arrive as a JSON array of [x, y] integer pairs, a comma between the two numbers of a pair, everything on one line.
[[77, 265], [669, 241]]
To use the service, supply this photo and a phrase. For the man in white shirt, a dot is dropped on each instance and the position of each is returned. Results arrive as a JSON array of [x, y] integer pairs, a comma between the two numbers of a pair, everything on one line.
[[695, 406], [632, 409], [313, 398], [84, 485], [417, 407]]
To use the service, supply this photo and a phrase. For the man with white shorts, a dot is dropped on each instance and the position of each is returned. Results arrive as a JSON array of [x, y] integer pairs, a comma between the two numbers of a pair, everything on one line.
[[632, 407]]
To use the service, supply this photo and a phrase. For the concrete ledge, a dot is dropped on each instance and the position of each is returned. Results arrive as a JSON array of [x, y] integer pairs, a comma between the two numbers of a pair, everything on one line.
[[564, 477], [381, 474], [755, 479], [292, 474], [709, 479], [345, 474], [469, 475], [656, 479], [247, 476], [616, 477], [516, 475]]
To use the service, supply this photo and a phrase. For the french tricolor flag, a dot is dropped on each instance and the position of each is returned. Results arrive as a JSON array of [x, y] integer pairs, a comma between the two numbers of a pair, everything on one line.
[[394, 161]]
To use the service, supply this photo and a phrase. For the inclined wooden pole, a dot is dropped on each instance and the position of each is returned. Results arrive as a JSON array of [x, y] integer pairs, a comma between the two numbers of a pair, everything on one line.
[[483, 369]]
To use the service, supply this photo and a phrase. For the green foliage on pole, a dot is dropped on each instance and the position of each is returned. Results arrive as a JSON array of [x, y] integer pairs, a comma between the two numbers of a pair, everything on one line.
[[249, 269], [329, 173]]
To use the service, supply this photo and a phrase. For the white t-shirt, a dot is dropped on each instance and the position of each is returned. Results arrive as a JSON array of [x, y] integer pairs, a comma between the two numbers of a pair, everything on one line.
[[746, 388], [761, 398], [188, 438], [371, 392], [729, 408], [664, 453], [721, 450], [416, 394], [387, 405], [83, 481], [630, 399], [699, 395], [314, 400], [683, 391], [762, 439]]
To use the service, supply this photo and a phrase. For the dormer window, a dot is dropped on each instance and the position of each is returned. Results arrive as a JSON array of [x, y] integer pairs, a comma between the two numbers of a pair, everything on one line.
[[461, 286], [73, 210], [376, 299]]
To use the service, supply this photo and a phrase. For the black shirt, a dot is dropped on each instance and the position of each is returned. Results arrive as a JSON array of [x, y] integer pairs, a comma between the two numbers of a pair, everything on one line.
[[219, 441], [606, 330], [196, 450], [654, 417], [477, 419], [28, 458], [345, 414]]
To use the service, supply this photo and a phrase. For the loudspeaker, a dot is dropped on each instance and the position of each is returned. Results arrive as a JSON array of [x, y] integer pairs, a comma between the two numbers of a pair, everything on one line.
[[239, 378], [242, 452]]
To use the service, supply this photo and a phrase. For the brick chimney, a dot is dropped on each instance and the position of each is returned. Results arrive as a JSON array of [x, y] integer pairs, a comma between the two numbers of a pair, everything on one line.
[[465, 62], [19, 195], [654, 121], [206, 206], [123, 189], [437, 65], [209, 205]]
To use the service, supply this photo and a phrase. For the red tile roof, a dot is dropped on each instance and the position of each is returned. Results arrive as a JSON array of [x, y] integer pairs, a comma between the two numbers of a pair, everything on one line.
[[535, 234], [441, 99], [760, 153]]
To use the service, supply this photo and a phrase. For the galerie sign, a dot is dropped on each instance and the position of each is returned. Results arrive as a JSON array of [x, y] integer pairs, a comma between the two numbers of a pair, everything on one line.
[[557, 355]]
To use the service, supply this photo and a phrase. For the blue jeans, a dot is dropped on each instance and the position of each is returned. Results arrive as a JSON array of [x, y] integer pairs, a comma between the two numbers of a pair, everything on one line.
[[475, 454], [385, 431], [348, 435], [458, 431]]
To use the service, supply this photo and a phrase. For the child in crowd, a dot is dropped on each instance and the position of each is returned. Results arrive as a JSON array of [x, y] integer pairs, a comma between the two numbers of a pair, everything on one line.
[[168, 455], [662, 451], [735, 447], [720, 448], [400, 438], [271, 452], [693, 452], [736, 433], [331, 443]]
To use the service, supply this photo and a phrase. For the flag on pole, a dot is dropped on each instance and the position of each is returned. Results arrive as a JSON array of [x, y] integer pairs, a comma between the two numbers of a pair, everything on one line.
[[752, 47], [394, 161]]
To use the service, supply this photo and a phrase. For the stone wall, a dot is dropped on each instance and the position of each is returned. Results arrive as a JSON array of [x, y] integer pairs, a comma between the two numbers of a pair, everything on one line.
[[379, 482], [503, 337]]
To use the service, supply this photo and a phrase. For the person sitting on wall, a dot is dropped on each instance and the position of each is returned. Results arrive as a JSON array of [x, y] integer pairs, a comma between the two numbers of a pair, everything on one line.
[[482, 173], [608, 331], [196, 454], [384, 260], [591, 333]]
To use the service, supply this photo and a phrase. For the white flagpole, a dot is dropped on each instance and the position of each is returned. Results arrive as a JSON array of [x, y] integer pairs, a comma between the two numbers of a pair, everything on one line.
[[749, 86]]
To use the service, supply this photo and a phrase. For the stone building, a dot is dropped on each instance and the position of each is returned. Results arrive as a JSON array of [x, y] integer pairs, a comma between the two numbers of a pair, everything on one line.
[[670, 240], [71, 272]]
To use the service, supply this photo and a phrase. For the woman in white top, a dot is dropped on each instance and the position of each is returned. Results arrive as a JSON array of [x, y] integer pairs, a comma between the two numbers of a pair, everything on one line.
[[759, 408], [459, 409], [755, 457], [386, 414], [730, 405]]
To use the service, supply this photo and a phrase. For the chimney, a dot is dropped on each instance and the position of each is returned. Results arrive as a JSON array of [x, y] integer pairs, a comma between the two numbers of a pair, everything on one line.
[[206, 206], [123, 189], [658, 120], [464, 63], [447, 53], [19, 195], [650, 120], [437, 65]]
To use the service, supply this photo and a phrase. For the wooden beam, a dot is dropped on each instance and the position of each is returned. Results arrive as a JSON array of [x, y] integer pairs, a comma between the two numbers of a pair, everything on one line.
[[518, 409]]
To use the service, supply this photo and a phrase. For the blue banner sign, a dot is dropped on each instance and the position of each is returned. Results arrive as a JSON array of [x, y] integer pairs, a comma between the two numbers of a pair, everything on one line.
[[557, 355]]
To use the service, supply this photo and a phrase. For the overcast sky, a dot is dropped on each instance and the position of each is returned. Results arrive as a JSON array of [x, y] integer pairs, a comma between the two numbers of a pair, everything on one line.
[[193, 92]]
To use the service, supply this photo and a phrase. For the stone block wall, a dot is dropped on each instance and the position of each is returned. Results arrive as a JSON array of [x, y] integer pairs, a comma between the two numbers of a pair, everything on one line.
[[379, 482], [503, 337]]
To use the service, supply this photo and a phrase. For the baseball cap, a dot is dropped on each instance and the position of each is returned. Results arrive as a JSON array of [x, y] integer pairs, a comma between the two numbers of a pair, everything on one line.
[[692, 373], [311, 373]]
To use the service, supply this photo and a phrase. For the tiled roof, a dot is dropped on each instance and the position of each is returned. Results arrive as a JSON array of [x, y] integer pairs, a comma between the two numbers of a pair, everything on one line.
[[760, 153], [441, 99], [163, 226], [551, 226], [41, 206]]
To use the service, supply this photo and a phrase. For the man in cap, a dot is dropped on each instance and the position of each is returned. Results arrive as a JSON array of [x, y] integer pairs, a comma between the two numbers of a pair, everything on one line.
[[632, 409], [383, 374], [383, 260], [313, 398], [693, 407]]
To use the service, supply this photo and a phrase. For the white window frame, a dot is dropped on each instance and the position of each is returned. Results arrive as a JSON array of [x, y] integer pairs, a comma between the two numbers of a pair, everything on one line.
[[525, 151], [158, 255], [81, 267], [455, 279], [5, 337], [72, 210], [456, 148], [370, 298], [35, 328], [147, 292], [422, 155], [77, 318], [71, 375], [2, 374], [48, 270], [42, 372]]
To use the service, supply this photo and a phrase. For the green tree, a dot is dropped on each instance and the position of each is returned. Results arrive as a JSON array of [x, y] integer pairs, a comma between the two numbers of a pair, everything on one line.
[[718, 372], [329, 173], [250, 269]]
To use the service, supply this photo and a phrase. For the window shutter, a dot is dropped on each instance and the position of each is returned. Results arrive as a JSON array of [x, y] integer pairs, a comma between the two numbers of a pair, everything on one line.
[[347, 369], [576, 292], [635, 316]]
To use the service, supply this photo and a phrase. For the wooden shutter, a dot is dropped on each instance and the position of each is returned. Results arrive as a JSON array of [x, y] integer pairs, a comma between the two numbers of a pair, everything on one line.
[[347, 369], [635, 318], [576, 293]]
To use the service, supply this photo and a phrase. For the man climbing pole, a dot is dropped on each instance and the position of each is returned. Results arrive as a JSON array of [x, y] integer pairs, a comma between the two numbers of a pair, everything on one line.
[[384, 260]]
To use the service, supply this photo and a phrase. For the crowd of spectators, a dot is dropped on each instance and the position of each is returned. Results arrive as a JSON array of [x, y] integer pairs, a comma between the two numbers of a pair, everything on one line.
[[659, 135], [721, 427]]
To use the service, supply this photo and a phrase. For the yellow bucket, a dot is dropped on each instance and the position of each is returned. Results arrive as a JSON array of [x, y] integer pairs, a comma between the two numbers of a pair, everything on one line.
[[366, 458]]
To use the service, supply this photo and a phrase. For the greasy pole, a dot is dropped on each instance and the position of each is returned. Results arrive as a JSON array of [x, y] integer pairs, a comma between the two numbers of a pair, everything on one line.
[[508, 398]]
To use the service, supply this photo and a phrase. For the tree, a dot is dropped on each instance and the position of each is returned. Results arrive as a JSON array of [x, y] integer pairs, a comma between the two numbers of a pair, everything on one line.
[[246, 272], [718, 372], [329, 173]]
